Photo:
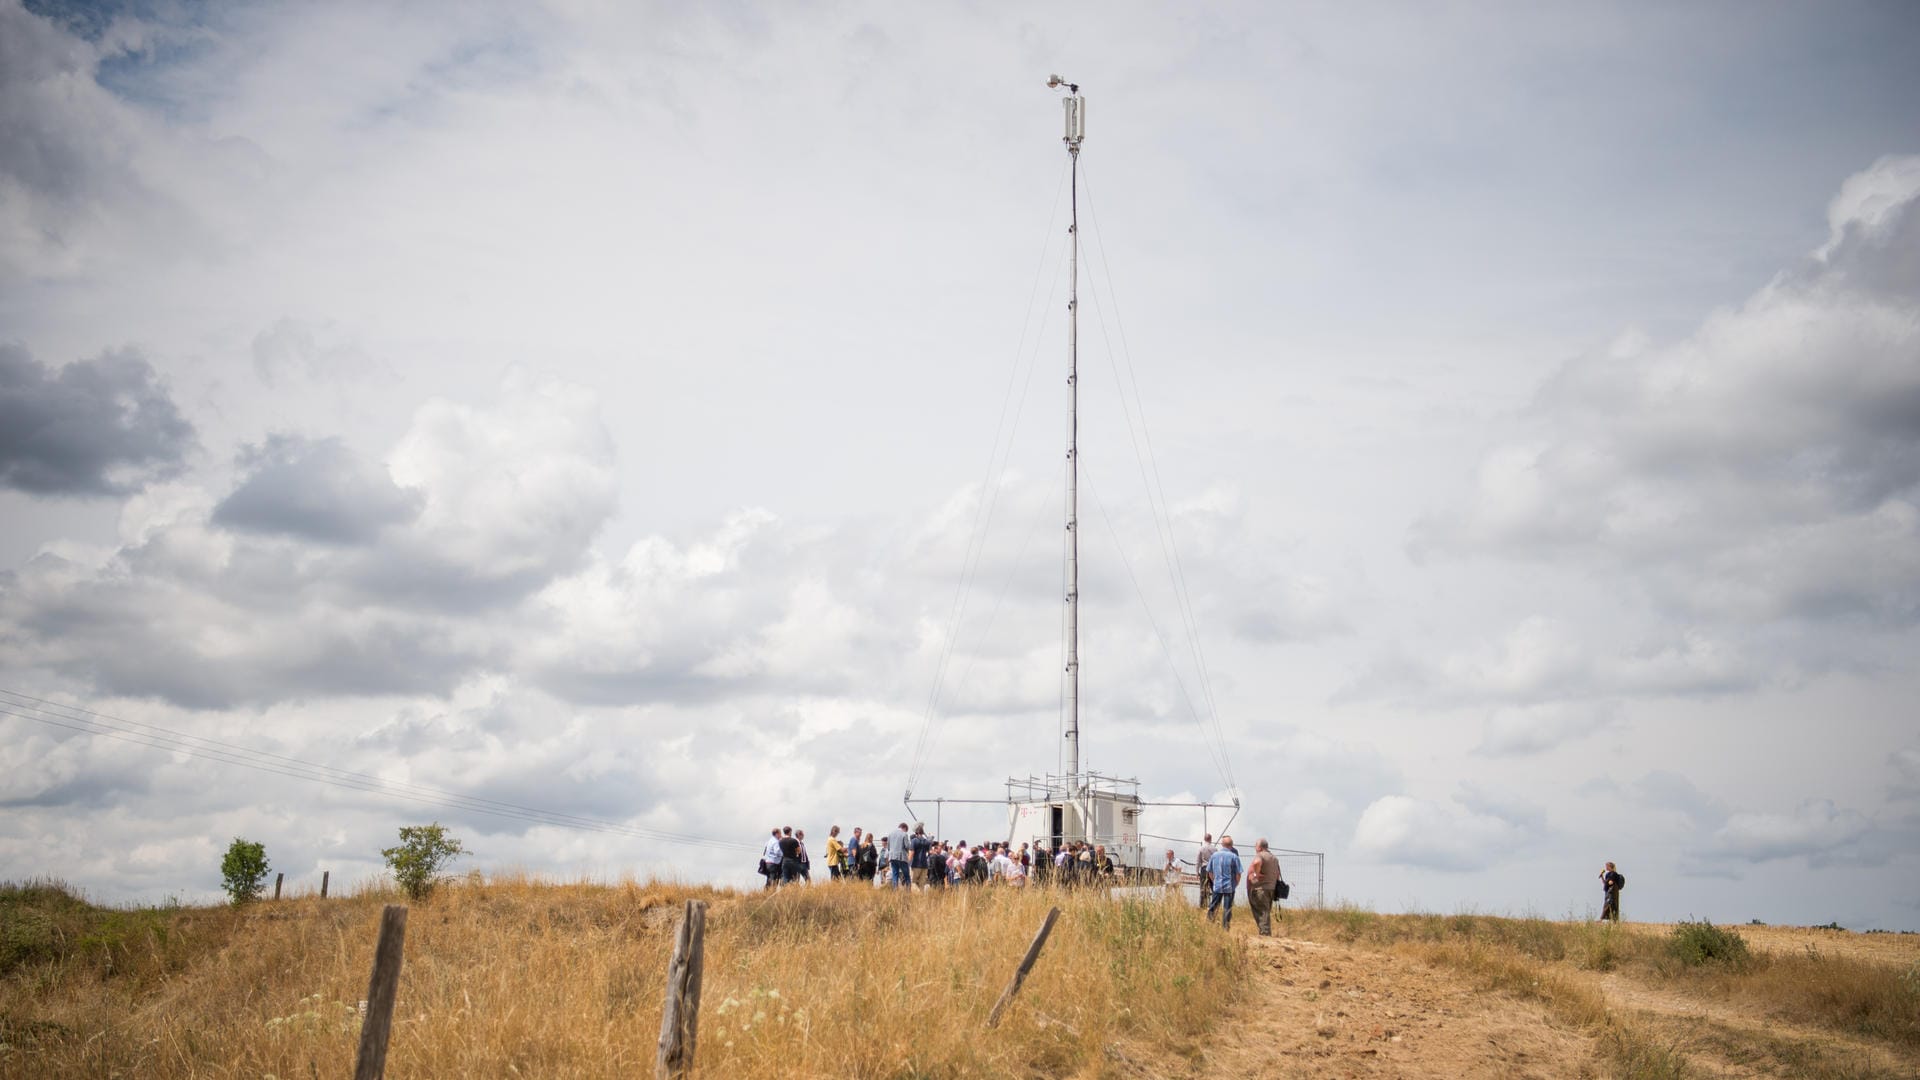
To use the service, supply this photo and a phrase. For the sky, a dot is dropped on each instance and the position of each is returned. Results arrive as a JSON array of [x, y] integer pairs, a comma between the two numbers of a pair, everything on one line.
[[1500, 437]]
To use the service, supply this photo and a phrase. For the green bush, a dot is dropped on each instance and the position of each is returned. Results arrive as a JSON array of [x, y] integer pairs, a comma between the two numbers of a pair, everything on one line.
[[243, 872], [46, 922], [1697, 943], [417, 861]]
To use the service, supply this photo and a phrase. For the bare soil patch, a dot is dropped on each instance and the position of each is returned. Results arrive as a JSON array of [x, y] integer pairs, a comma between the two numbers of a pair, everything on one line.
[[1424, 997], [1333, 1010]]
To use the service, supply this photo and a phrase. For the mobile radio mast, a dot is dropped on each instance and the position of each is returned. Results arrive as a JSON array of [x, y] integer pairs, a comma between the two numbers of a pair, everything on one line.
[[1075, 107], [1080, 805]]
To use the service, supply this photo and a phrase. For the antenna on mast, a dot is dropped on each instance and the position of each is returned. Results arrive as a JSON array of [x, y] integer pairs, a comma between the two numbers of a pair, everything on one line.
[[1076, 117]]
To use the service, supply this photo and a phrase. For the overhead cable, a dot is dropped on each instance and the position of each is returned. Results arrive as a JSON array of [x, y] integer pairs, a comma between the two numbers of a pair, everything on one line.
[[998, 462]]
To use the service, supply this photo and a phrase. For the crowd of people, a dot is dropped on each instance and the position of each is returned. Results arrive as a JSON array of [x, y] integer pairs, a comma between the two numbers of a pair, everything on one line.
[[912, 858], [908, 857]]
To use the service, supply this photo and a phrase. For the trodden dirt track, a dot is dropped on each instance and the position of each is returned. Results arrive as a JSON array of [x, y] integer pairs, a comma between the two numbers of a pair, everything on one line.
[[1317, 1009]]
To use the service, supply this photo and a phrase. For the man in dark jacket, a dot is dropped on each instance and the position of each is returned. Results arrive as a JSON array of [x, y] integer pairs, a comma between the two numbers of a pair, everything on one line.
[[1612, 881], [919, 845]]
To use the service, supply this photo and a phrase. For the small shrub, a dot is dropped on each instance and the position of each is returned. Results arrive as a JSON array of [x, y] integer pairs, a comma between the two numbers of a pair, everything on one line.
[[243, 872], [417, 861], [1697, 943], [1355, 921]]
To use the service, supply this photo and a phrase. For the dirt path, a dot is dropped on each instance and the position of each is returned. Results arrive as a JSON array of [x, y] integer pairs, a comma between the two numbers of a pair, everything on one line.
[[1329, 1010], [1319, 1009], [1721, 1039]]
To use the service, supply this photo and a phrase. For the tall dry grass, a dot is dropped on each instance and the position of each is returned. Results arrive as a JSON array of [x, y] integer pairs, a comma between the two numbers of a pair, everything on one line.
[[520, 977]]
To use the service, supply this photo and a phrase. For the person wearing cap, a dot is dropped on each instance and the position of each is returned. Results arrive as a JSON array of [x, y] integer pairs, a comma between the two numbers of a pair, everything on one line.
[[919, 844]]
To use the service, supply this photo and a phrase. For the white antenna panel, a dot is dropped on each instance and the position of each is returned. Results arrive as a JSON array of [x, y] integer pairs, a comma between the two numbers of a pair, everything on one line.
[[1076, 108]]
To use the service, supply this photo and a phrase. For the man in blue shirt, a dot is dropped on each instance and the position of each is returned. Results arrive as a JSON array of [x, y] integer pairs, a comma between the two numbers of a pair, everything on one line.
[[1224, 868]]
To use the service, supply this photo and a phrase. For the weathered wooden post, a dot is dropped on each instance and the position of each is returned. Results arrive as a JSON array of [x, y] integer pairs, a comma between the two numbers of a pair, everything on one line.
[[382, 988], [324, 875], [680, 1019], [1026, 965], [277, 879]]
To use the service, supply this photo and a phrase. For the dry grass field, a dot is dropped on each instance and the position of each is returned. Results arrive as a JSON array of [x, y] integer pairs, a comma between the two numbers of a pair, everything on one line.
[[519, 978], [514, 977]]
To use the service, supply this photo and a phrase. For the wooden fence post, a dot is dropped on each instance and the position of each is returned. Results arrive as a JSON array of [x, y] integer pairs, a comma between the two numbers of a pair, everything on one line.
[[680, 1020], [277, 879], [382, 988], [1026, 965], [324, 875]]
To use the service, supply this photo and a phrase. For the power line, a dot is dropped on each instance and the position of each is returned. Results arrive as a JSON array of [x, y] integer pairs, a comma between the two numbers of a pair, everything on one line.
[[1216, 748], [90, 722], [1156, 497], [990, 491]]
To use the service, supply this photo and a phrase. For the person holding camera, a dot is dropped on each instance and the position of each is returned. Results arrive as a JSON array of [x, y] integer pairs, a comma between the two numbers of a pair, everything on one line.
[[1611, 881]]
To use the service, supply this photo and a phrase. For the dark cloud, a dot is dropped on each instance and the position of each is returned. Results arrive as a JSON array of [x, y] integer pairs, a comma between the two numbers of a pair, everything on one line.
[[1517, 812], [104, 426], [76, 182], [88, 20], [1765, 467], [187, 665], [49, 766], [37, 153], [315, 489], [1670, 792], [1817, 830], [1906, 768], [89, 790], [1546, 661]]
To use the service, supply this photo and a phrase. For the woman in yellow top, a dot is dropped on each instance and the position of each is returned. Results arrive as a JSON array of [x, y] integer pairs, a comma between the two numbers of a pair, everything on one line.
[[836, 853]]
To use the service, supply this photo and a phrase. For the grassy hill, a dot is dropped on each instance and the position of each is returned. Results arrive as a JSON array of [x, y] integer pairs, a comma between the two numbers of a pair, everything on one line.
[[517, 977], [513, 976]]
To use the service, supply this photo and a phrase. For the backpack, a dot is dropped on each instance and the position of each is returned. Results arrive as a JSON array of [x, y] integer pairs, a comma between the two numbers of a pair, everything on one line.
[[1623, 881]]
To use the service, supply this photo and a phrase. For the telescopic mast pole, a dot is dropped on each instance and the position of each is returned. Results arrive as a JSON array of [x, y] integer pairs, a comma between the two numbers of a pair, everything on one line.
[[1076, 130]]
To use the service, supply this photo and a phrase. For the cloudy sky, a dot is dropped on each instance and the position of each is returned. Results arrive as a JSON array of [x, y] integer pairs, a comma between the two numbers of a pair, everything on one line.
[[598, 408]]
